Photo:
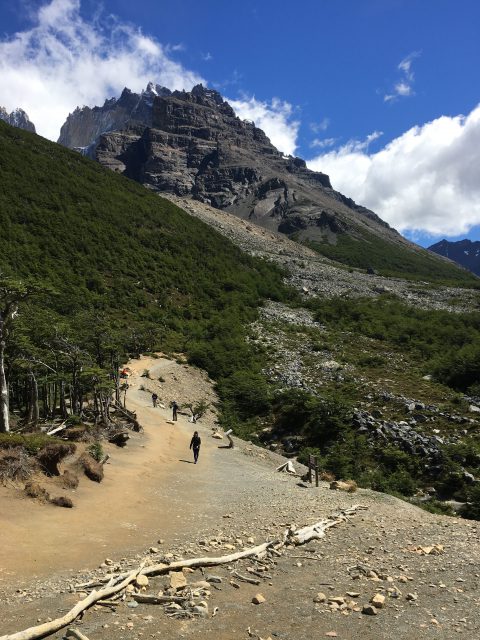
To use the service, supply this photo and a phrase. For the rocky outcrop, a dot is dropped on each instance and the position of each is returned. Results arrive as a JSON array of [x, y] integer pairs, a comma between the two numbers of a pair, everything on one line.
[[192, 144], [464, 252], [83, 127], [17, 118]]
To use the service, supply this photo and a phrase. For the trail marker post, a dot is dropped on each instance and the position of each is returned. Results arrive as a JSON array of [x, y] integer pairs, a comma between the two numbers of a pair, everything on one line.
[[312, 466]]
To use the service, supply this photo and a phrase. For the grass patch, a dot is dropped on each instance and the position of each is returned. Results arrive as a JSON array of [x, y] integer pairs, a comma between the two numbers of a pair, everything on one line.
[[390, 259]]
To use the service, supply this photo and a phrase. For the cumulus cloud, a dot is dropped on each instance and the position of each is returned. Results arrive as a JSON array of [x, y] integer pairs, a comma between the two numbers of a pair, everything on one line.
[[276, 118], [426, 180], [404, 87], [64, 61]]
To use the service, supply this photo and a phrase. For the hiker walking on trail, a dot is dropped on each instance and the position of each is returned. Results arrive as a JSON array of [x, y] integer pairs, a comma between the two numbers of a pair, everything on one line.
[[154, 399], [174, 409], [195, 445]]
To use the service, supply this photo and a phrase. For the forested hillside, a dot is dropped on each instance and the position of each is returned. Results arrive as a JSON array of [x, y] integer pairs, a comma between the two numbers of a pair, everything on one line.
[[113, 270], [117, 271]]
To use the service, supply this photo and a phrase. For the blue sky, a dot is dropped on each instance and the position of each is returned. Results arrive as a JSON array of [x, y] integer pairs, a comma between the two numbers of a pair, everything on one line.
[[382, 95]]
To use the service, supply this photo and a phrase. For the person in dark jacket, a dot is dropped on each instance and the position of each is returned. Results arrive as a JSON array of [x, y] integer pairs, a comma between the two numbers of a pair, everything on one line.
[[154, 399], [195, 445], [174, 410]]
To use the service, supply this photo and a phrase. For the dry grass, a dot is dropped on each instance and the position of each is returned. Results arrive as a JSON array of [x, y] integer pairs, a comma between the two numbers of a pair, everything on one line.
[[15, 466]]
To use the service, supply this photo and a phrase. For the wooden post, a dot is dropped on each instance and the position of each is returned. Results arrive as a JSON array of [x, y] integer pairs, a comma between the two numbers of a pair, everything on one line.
[[312, 466]]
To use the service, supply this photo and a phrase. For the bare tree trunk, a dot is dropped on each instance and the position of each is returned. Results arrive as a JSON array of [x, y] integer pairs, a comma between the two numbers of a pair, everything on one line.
[[54, 400], [34, 399], [4, 413], [63, 404]]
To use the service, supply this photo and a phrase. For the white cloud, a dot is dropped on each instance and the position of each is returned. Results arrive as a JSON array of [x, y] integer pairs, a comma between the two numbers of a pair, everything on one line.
[[64, 62], [276, 118], [426, 180], [323, 125], [403, 87], [322, 143]]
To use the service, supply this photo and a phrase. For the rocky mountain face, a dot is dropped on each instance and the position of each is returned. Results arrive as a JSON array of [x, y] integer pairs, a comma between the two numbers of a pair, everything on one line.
[[83, 127], [192, 144], [464, 252], [17, 118]]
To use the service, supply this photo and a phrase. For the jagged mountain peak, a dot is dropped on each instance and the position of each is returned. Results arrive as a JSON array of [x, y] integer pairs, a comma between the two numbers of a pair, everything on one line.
[[17, 118], [192, 143]]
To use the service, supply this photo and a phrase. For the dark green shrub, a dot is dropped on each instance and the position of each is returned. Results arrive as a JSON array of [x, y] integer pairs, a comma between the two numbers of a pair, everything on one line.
[[472, 508]]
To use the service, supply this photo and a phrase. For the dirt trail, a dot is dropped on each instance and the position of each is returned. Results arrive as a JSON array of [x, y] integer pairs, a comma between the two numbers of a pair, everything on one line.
[[233, 498], [130, 509]]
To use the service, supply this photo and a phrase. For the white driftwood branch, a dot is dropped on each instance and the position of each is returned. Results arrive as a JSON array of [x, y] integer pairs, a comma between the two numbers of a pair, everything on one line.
[[287, 467], [145, 598], [57, 429], [48, 628], [160, 569], [119, 582], [317, 530], [75, 633]]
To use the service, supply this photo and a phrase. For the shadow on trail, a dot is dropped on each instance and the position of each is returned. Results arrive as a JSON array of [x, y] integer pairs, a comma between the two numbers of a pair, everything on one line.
[[187, 461]]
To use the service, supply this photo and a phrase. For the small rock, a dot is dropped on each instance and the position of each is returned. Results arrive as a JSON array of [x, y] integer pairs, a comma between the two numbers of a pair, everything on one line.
[[369, 610], [141, 581], [212, 579], [320, 597], [378, 601], [177, 580], [258, 599]]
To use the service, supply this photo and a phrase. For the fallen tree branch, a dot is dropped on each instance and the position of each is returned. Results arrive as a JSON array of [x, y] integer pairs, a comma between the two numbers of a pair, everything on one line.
[[246, 578], [148, 599], [57, 429], [75, 633], [48, 628], [317, 530], [121, 581]]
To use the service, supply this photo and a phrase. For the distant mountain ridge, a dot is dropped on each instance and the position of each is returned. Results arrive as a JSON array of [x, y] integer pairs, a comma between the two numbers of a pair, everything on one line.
[[17, 118], [464, 252]]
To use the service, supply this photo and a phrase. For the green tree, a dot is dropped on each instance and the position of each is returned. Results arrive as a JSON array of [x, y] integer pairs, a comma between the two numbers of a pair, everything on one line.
[[12, 292]]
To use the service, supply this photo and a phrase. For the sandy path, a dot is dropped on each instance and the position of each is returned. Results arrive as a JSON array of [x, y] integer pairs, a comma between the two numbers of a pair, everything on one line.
[[129, 510]]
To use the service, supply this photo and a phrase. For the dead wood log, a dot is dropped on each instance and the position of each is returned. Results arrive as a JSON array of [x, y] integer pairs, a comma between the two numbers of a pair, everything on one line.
[[47, 628], [287, 467], [129, 415], [207, 562], [246, 578], [317, 530], [119, 582], [75, 633], [148, 599], [162, 569], [57, 429]]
